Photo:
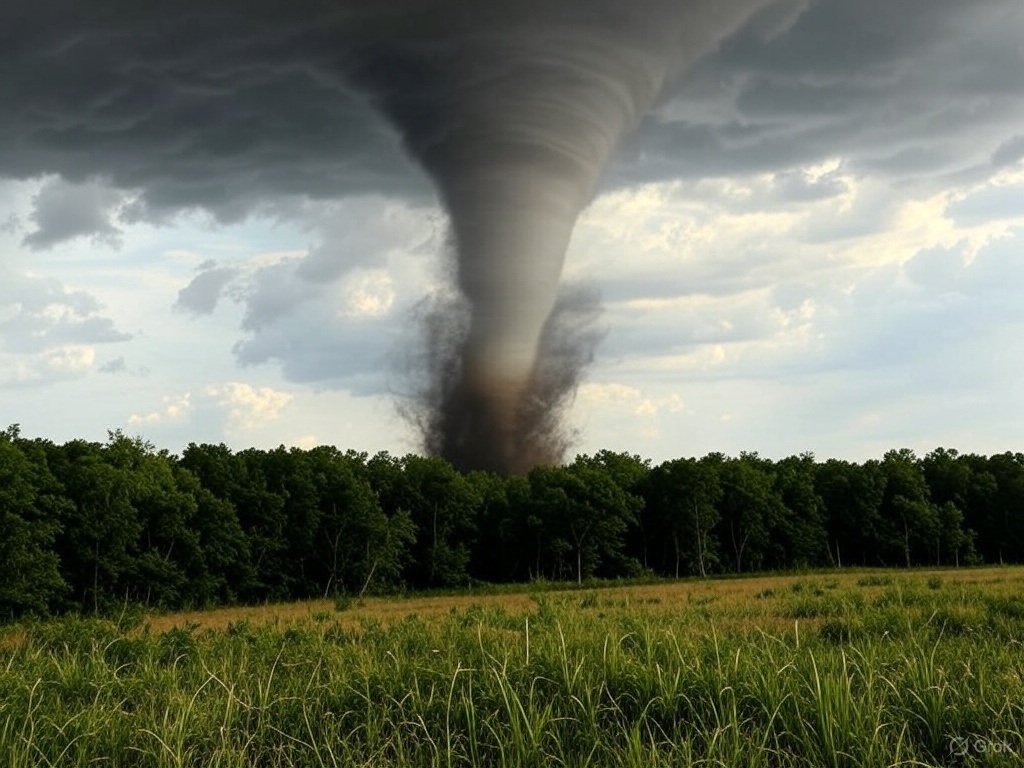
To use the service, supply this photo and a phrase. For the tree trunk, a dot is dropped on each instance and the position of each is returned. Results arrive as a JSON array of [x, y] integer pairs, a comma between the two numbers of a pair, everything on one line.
[[906, 542], [738, 548], [96, 579], [700, 538], [700, 550], [675, 541], [335, 544], [369, 578], [433, 549]]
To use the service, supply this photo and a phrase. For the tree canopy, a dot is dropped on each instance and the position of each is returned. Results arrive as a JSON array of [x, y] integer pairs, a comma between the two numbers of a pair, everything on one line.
[[87, 526]]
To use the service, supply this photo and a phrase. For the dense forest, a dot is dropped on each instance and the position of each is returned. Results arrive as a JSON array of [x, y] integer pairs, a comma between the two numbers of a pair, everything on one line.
[[91, 526]]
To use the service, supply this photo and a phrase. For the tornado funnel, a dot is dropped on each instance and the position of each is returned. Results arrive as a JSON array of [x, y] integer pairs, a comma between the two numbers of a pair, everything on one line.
[[514, 109]]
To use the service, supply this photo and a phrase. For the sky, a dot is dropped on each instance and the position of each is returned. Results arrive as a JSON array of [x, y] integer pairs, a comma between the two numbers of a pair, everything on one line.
[[814, 243]]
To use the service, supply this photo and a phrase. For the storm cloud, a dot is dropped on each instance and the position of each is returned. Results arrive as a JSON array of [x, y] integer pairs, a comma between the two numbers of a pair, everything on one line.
[[127, 114], [230, 105]]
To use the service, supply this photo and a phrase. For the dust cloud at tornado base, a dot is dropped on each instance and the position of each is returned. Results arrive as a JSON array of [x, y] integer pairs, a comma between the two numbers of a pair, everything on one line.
[[513, 110], [454, 423]]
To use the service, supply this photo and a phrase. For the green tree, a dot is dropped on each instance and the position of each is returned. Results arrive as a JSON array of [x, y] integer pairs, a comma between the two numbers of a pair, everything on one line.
[[852, 495], [442, 505], [98, 542], [980, 509], [549, 496], [239, 479], [682, 504], [953, 542], [494, 557], [947, 475], [1003, 522], [30, 509], [357, 544], [521, 533], [750, 509], [582, 515], [168, 568], [800, 537], [629, 473], [228, 575], [909, 517], [290, 476]]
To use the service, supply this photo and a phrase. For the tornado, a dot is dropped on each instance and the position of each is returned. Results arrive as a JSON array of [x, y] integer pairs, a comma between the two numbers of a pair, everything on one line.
[[514, 109]]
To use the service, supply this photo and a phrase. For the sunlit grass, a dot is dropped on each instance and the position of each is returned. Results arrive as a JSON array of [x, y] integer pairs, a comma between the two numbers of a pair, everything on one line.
[[851, 669]]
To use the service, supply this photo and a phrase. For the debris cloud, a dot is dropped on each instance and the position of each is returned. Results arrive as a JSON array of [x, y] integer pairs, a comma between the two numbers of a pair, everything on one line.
[[514, 109]]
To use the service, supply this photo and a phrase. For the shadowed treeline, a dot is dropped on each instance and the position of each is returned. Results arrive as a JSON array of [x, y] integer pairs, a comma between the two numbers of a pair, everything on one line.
[[89, 526]]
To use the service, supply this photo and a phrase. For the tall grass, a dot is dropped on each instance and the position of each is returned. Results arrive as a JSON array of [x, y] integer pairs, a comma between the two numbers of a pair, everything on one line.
[[828, 677]]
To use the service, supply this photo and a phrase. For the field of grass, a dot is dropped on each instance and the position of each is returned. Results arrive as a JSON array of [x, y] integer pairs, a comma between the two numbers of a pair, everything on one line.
[[863, 668]]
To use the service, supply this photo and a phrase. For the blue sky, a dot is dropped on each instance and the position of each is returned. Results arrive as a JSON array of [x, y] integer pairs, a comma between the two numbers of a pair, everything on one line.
[[814, 244]]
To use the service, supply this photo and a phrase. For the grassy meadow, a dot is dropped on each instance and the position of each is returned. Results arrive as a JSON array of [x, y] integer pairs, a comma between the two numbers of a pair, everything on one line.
[[858, 668]]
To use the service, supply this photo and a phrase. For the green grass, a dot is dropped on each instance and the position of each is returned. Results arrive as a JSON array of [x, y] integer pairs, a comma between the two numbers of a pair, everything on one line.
[[818, 673]]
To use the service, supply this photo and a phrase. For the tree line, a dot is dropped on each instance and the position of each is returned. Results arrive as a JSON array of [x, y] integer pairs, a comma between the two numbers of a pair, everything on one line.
[[88, 526]]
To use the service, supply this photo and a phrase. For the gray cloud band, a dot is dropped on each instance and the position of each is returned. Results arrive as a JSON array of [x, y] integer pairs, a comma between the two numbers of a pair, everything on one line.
[[226, 104], [512, 109]]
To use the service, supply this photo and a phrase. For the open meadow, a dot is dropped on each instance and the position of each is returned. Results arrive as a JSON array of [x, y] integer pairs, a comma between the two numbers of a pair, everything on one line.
[[851, 668]]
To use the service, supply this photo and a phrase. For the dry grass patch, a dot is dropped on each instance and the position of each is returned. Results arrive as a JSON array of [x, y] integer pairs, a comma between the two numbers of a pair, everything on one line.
[[757, 603], [384, 609]]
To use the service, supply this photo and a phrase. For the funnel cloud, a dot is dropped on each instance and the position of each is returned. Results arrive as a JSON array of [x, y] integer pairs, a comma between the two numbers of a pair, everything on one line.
[[514, 110]]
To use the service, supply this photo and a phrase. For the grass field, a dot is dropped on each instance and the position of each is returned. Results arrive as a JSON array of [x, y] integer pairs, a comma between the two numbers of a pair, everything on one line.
[[861, 668]]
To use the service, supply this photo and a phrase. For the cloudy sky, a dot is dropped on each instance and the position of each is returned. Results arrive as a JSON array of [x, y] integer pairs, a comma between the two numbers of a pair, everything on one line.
[[816, 243]]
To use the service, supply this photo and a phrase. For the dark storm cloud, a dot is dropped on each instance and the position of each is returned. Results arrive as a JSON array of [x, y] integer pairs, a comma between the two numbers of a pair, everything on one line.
[[795, 187], [1009, 152], [903, 89], [201, 295], [63, 211], [273, 293], [356, 232], [313, 329], [226, 105], [872, 211], [319, 347], [356, 363], [196, 104]]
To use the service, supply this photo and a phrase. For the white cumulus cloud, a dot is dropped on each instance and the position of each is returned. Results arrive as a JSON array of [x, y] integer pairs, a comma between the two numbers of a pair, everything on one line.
[[249, 407], [175, 408]]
